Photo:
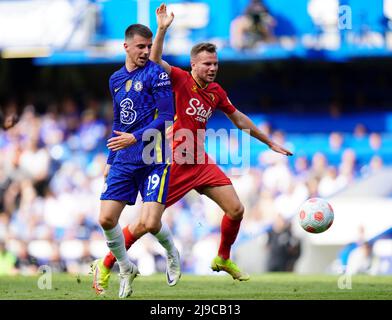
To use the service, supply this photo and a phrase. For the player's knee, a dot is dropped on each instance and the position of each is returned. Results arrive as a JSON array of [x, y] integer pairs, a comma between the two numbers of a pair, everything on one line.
[[107, 222], [152, 226], [236, 212], [137, 230]]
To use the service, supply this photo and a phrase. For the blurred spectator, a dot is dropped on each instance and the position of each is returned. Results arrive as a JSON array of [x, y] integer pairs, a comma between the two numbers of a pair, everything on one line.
[[78, 259], [255, 26], [203, 253], [56, 262], [26, 263], [288, 202], [331, 183], [347, 167], [345, 253], [5, 182], [7, 261], [91, 130], [4, 225], [51, 129], [359, 137], [375, 165], [319, 166], [7, 120], [360, 259], [265, 127], [277, 176], [301, 168], [34, 161], [245, 183], [312, 183], [375, 141], [335, 109], [335, 141], [360, 131], [284, 248], [265, 206], [336, 144], [70, 113]]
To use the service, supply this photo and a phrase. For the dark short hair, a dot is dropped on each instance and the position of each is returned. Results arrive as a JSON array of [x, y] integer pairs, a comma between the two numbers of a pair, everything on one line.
[[204, 46], [139, 29]]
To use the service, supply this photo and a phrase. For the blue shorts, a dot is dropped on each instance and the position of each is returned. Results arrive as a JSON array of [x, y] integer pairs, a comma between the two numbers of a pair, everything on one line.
[[124, 182]]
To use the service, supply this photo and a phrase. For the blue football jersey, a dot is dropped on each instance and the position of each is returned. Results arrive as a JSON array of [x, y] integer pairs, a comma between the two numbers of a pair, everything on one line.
[[134, 96]]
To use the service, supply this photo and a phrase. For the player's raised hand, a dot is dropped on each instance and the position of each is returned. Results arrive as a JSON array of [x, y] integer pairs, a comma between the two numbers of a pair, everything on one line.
[[280, 149], [122, 141], [163, 19]]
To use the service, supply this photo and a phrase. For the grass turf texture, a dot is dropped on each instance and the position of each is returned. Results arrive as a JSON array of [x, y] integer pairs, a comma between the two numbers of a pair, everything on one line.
[[276, 286]]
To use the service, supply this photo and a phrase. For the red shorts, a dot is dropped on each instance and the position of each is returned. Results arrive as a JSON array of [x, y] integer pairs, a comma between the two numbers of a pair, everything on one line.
[[185, 177]]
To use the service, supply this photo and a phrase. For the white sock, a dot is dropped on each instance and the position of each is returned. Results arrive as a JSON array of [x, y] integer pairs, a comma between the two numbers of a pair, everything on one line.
[[165, 238], [116, 243]]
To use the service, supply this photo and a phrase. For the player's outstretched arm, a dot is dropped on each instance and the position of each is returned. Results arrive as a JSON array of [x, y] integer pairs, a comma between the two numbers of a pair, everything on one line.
[[164, 21], [242, 121]]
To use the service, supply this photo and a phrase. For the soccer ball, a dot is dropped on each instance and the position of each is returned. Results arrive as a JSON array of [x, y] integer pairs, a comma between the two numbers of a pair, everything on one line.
[[315, 215]]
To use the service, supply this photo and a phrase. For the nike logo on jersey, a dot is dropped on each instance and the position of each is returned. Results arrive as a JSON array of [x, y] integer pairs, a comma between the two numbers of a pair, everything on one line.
[[116, 89], [150, 193]]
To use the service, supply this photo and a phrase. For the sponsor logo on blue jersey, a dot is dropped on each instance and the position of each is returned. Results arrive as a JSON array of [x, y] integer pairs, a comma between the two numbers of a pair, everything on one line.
[[127, 114], [163, 76]]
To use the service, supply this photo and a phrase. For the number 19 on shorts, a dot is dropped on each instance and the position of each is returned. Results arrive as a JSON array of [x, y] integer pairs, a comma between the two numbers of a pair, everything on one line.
[[153, 182]]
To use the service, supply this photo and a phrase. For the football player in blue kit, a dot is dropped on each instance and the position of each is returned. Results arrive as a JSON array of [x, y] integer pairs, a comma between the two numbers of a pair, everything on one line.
[[142, 103]]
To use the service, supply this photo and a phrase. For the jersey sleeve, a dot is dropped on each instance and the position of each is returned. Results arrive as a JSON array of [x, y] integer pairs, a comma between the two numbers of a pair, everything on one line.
[[161, 83], [178, 76], [163, 96], [116, 121], [225, 104]]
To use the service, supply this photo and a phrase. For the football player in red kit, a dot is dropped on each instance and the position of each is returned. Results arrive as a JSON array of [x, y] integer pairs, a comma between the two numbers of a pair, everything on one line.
[[197, 96]]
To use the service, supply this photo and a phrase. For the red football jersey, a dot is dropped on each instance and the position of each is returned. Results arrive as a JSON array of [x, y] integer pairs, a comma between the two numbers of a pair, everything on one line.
[[194, 106]]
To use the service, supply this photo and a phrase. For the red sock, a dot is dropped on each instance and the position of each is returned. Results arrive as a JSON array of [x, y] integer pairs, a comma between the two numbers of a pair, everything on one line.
[[229, 231], [110, 259]]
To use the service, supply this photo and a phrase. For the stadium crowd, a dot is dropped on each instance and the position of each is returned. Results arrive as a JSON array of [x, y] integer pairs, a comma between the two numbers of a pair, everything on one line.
[[51, 176]]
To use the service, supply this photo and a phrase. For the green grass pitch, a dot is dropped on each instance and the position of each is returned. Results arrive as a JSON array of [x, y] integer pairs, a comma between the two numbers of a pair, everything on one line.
[[267, 286]]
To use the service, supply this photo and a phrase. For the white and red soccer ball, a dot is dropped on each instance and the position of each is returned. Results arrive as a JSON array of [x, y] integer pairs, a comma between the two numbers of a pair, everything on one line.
[[315, 215]]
